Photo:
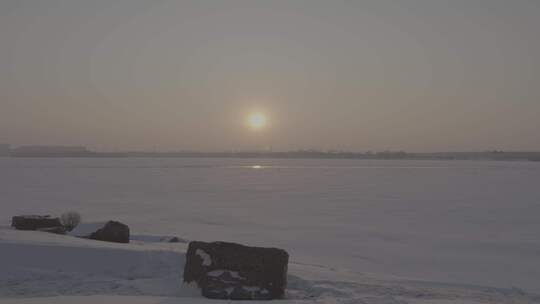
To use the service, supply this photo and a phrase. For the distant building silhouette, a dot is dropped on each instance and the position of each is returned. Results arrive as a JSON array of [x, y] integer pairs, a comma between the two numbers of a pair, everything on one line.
[[52, 151], [4, 150]]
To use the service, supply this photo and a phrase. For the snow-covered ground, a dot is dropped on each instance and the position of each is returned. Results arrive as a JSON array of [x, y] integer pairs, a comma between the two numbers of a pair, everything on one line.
[[45, 268], [357, 231]]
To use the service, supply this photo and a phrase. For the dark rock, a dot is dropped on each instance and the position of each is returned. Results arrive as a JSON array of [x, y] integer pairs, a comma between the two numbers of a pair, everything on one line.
[[176, 240], [237, 272], [55, 230], [34, 222], [111, 232]]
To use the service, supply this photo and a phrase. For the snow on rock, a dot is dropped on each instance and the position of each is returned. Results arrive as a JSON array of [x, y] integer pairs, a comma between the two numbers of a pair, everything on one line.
[[218, 273], [206, 259], [251, 288]]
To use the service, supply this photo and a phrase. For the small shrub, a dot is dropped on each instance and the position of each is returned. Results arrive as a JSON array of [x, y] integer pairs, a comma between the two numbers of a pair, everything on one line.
[[70, 220]]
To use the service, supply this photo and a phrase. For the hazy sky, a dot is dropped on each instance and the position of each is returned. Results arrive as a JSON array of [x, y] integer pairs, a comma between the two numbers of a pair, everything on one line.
[[415, 75]]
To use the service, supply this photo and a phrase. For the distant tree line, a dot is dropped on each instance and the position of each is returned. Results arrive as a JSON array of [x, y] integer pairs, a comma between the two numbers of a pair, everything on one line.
[[79, 151]]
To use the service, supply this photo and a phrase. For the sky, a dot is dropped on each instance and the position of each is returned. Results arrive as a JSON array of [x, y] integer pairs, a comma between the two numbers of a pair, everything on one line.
[[413, 75]]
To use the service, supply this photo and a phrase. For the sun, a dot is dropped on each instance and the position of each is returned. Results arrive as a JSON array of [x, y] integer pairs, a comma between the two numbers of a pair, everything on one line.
[[256, 121]]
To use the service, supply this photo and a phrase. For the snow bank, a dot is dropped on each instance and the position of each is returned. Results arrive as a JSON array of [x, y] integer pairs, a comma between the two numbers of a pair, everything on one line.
[[45, 268]]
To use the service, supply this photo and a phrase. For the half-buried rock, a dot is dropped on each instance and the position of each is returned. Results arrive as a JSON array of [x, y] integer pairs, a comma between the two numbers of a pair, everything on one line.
[[237, 272], [110, 231], [34, 222]]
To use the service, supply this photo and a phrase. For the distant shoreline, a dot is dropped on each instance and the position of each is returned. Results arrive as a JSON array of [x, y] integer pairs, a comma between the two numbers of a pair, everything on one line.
[[494, 155]]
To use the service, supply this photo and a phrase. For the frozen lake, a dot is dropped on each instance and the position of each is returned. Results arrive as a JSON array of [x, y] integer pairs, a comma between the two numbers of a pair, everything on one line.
[[469, 222]]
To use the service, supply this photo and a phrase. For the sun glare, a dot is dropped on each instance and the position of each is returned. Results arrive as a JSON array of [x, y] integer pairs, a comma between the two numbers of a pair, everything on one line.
[[256, 121]]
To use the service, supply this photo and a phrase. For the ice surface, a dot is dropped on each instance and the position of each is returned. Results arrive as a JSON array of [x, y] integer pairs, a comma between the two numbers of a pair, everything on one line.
[[470, 223]]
